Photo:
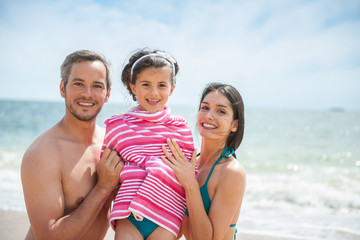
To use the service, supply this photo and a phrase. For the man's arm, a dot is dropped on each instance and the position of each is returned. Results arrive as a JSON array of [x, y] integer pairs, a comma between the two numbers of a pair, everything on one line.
[[43, 192]]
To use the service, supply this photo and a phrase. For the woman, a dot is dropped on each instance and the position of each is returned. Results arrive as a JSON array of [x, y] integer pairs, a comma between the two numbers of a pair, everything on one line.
[[213, 209]]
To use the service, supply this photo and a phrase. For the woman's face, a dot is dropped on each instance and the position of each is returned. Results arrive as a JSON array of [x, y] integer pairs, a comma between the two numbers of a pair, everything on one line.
[[215, 117]]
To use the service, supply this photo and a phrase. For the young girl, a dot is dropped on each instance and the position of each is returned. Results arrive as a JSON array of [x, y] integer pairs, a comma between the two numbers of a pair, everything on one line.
[[150, 195], [213, 209]]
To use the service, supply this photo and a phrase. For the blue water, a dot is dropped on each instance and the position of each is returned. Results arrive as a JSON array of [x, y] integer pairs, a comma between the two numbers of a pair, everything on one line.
[[303, 167]]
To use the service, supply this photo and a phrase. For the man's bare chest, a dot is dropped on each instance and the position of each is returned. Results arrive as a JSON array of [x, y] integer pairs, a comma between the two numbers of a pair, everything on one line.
[[78, 177]]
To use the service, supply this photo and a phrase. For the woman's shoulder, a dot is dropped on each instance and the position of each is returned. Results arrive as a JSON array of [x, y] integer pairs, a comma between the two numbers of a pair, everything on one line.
[[233, 171], [230, 180]]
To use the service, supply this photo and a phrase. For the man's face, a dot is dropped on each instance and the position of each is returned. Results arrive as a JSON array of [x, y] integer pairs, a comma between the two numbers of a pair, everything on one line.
[[85, 92]]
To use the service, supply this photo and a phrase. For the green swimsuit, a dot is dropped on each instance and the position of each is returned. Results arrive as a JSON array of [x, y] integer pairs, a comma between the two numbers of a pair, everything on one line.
[[204, 191]]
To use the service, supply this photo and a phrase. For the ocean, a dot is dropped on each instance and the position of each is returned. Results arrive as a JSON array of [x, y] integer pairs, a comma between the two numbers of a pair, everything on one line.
[[303, 167]]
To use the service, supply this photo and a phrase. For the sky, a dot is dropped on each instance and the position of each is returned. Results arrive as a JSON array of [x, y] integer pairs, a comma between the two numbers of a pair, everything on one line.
[[281, 54]]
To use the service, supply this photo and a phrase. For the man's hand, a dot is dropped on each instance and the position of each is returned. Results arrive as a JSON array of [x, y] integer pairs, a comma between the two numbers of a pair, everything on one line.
[[108, 170]]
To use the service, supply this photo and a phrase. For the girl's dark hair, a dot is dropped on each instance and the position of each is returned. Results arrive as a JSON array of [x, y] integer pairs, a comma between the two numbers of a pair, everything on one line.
[[147, 62], [234, 139]]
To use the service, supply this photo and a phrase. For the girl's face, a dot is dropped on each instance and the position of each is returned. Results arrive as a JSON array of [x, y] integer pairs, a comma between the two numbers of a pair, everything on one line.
[[215, 117], [152, 88]]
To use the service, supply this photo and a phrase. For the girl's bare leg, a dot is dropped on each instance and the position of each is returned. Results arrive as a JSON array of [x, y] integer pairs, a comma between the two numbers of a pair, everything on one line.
[[125, 230], [161, 234]]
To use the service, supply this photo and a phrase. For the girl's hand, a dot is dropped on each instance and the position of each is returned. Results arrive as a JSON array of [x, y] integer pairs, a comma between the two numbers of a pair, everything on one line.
[[183, 169]]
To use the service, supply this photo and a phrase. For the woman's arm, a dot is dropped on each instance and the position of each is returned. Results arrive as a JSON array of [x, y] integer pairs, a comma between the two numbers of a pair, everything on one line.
[[200, 224], [226, 201]]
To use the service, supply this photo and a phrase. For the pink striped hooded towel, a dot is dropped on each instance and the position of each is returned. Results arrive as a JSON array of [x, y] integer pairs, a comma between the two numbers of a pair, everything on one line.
[[149, 188]]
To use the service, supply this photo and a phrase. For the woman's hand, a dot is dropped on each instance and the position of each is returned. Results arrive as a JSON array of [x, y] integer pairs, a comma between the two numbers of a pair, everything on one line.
[[183, 169]]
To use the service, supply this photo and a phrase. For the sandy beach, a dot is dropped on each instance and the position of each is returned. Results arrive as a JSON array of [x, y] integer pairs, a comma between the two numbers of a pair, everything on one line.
[[14, 226]]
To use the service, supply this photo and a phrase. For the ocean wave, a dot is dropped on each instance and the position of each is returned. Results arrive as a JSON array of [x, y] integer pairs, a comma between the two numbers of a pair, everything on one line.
[[294, 224], [303, 190]]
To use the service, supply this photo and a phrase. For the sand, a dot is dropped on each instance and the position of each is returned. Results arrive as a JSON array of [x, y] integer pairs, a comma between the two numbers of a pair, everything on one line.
[[14, 226]]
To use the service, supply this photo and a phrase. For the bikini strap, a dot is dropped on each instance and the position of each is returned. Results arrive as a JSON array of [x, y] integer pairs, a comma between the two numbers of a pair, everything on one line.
[[225, 154]]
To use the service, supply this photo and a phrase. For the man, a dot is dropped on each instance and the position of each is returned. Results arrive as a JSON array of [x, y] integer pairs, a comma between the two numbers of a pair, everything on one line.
[[67, 190]]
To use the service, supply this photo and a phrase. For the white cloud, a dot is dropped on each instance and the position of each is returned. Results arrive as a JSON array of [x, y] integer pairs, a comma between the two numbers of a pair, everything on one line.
[[271, 51]]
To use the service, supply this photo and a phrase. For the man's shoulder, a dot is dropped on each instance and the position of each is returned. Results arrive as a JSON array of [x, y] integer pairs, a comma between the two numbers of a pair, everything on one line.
[[44, 146], [100, 131]]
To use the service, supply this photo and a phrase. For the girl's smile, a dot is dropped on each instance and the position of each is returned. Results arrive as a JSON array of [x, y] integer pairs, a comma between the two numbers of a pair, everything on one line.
[[152, 88]]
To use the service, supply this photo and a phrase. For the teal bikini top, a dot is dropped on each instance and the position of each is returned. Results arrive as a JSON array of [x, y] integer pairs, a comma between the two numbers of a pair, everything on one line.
[[204, 191]]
